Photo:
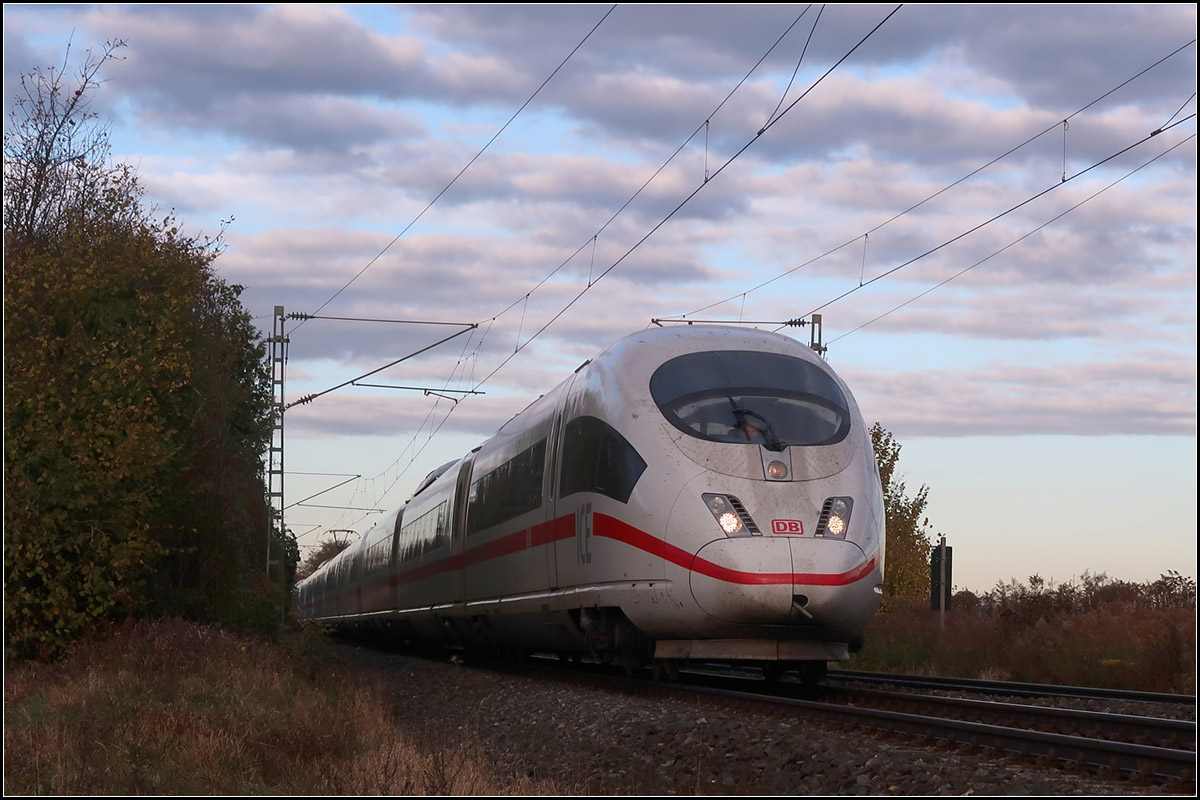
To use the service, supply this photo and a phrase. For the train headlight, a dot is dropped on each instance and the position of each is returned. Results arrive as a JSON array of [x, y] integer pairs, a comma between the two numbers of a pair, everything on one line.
[[731, 515], [835, 518], [716, 504], [777, 470], [730, 523]]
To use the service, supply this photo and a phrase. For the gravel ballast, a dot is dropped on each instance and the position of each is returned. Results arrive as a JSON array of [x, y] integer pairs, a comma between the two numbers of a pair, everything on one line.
[[590, 740]]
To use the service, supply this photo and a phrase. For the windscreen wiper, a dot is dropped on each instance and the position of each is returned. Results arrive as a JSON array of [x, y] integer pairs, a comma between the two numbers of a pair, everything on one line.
[[749, 428]]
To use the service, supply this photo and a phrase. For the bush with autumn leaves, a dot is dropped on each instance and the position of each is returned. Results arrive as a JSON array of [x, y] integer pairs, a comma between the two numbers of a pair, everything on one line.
[[137, 404]]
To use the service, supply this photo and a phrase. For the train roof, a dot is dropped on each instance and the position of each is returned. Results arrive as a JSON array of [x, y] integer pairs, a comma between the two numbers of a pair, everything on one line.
[[645, 350], [433, 476]]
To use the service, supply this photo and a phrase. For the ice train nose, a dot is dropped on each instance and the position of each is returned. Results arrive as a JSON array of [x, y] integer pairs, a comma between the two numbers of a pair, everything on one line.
[[781, 581]]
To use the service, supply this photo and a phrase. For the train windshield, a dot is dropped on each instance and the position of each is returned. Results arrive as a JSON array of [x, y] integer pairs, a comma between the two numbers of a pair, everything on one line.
[[745, 396]]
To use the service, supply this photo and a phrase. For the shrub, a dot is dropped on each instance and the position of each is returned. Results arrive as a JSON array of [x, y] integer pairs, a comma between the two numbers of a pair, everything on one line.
[[1094, 631]]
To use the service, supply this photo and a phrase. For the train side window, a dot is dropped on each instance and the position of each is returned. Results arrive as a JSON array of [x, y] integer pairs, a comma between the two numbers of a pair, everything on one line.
[[508, 491], [424, 534], [595, 458]]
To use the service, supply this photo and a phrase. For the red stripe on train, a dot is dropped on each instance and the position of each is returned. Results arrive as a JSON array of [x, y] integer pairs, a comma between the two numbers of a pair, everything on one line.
[[612, 528]]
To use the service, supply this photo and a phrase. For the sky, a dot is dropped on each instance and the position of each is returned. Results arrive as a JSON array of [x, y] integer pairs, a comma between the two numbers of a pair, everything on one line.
[[1002, 254]]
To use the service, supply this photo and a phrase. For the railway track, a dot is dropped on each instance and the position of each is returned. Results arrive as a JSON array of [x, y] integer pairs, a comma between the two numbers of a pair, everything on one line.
[[1175, 734], [1071, 747], [1139, 747], [1008, 688]]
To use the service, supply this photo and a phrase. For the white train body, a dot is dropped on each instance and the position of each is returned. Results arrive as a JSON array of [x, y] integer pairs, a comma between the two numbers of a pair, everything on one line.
[[695, 492]]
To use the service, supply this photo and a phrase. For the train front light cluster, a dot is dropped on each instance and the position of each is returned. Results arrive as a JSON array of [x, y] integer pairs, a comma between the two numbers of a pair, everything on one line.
[[731, 516], [835, 518]]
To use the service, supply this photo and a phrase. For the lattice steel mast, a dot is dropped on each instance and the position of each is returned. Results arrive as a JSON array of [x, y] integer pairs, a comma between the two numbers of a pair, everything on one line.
[[278, 356]]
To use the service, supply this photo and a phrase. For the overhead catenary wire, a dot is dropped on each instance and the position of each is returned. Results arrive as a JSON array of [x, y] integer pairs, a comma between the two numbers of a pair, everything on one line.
[[447, 187], [796, 71], [1182, 106], [323, 491], [1016, 241], [949, 186], [308, 398], [429, 414], [593, 239], [693, 194], [657, 227], [468, 165], [703, 126], [1066, 179], [302, 316], [432, 202]]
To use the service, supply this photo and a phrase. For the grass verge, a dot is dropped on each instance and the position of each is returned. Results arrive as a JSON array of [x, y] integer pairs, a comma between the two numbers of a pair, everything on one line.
[[172, 708]]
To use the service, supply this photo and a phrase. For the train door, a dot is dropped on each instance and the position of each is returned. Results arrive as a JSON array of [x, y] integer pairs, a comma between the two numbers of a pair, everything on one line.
[[571, 515], [553, 526], [458, 529], [393, 570]]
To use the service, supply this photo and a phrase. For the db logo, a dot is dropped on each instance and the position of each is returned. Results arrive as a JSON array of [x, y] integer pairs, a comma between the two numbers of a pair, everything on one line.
[[787, 526]]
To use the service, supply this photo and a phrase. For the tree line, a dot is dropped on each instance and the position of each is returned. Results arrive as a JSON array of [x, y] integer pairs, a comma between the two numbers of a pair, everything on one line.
[[137, 399], [906, 572]]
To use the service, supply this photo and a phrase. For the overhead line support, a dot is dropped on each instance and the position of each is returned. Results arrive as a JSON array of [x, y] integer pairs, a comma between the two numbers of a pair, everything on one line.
[[277, 353]]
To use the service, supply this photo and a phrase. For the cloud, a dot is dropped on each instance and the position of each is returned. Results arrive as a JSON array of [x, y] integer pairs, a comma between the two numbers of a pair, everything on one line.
[[330, 132], [1000, 399], [200, 57]]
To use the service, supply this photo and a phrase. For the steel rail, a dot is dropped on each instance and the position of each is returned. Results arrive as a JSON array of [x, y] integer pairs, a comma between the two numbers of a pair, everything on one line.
[[1134, 760], [1009, 687], [1173, 733]]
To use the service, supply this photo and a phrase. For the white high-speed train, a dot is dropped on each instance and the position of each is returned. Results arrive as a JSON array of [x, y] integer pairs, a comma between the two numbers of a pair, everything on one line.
[[695, 492]]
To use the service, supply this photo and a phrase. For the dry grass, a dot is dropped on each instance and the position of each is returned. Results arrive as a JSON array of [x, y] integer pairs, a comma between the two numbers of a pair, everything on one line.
[[173, 708], [1092, 632]]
